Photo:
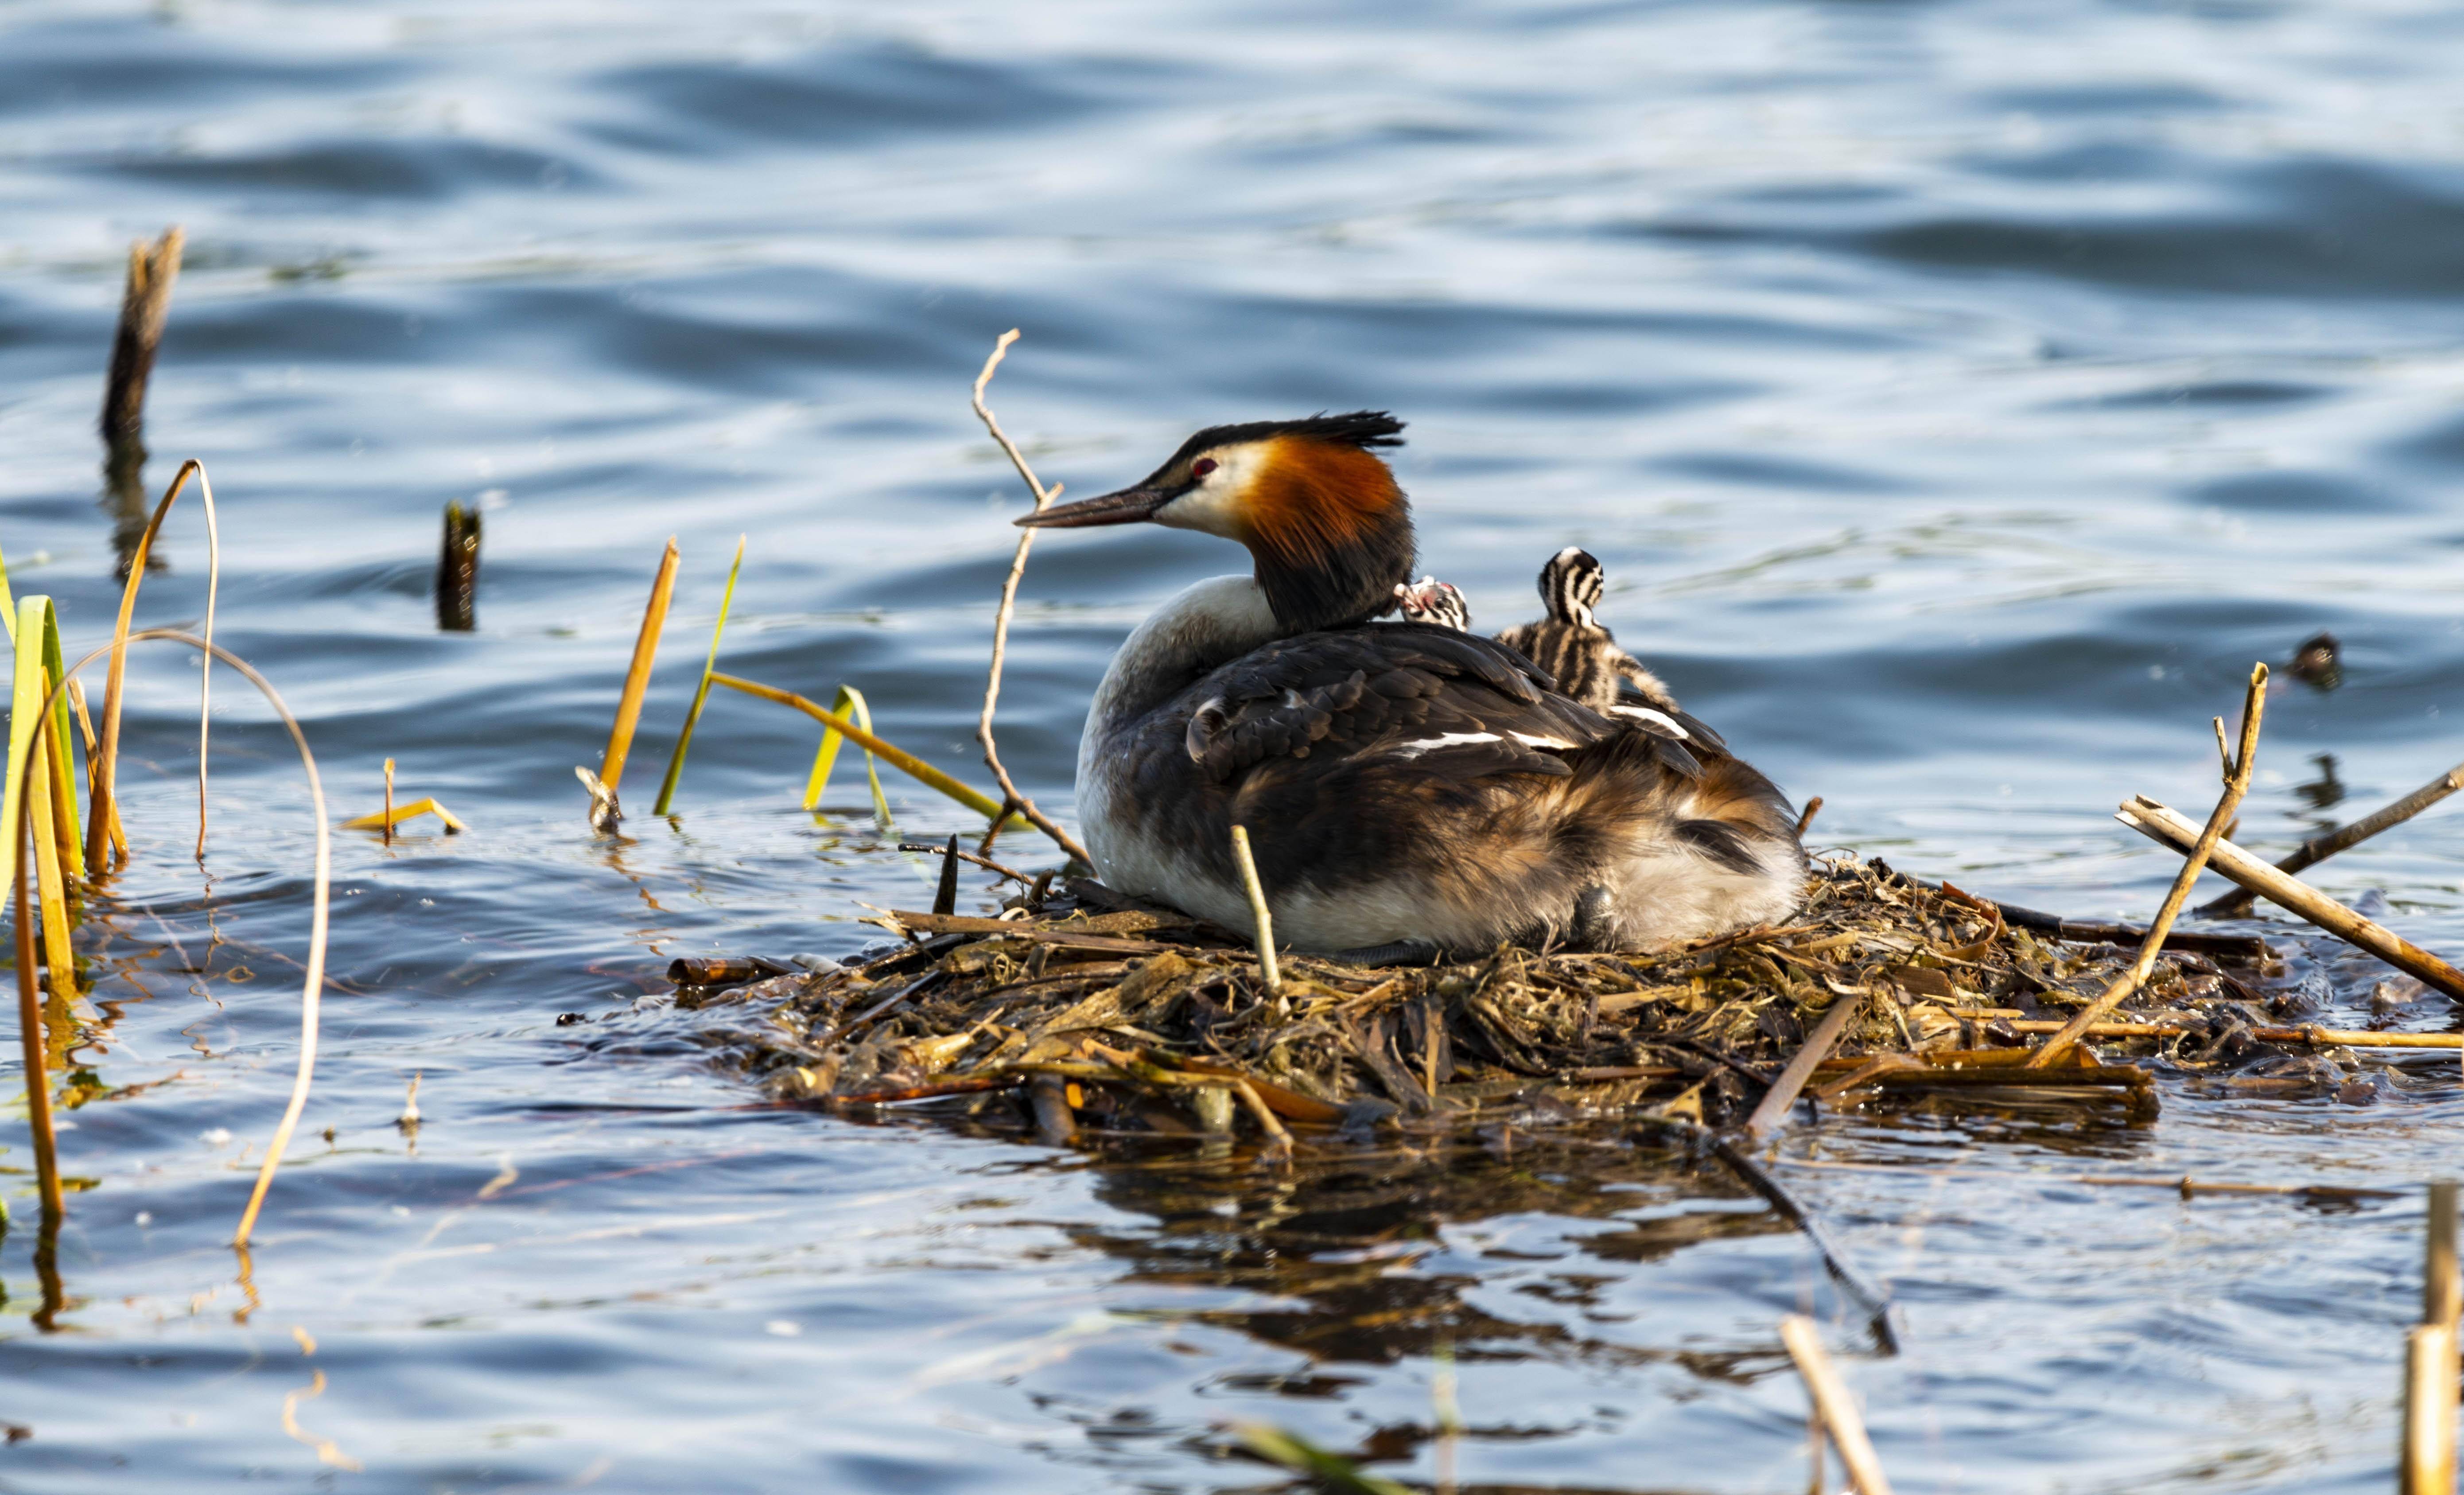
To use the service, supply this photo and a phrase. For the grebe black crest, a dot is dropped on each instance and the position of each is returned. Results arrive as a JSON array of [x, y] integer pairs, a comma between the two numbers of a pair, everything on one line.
[[1404, 783]]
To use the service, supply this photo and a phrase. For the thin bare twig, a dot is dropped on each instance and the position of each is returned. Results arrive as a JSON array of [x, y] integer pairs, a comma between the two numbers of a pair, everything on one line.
[[987, 864], [1011, 799], [2237, 770]]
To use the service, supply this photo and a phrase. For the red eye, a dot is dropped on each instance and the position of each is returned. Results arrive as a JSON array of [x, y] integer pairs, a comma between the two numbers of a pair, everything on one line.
[[1201, 467]]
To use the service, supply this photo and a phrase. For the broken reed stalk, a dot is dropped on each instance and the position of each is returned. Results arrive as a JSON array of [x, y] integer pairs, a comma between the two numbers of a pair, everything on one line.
[[2237, 772], [945, 892], [2319, 848], [1818, 1044], [457, 571], [899, 757], [1011, 798], [102, 775], [637, 675], [144, 307], [1834, 1404], [395, 814], [2163, 825], [388, 809], [2428, 1461], [1272, 978], [701, 692]]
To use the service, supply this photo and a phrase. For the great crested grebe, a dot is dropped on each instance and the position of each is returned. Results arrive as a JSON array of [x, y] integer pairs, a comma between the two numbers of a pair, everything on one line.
[[1406, 787]]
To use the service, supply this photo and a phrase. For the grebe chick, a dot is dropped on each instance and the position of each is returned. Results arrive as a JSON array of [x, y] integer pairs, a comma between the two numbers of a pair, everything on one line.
[[1403, 784], [1577, 649], [1429, 599]]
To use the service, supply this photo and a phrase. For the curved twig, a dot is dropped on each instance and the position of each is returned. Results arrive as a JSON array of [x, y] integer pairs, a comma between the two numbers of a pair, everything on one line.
[[103, 770], [1011, 798]]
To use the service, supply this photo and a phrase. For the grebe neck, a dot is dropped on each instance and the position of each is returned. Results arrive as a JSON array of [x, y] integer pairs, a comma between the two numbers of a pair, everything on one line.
[[1210, 623]]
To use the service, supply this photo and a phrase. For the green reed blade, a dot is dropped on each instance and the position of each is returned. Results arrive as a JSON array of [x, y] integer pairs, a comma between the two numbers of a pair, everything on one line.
[[701, 692], [1327, 1470], [851, 704]]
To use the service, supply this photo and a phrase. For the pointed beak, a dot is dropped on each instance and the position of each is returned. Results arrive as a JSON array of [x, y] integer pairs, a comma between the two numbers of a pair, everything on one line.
[[1128, 506]]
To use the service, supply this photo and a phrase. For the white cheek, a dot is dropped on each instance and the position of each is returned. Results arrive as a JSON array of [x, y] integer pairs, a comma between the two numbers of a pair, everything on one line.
[[1208, 508]]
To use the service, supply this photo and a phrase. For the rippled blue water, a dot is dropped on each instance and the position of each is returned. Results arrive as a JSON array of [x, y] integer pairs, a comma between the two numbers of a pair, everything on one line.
[[1960, 395]]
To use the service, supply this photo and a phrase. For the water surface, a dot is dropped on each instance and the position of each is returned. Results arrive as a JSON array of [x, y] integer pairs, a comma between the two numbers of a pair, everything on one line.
[[1960, 394]]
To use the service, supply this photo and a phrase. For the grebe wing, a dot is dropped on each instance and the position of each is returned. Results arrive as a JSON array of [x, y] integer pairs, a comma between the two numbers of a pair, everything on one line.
[[1468, 705]]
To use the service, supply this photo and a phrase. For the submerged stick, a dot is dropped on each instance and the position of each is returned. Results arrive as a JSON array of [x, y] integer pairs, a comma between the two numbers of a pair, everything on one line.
[[2237, 771], [1011, 798], [2160, 823], [2319, 848], [103, 777], [1259, 914], [1818, 1044], [1835, 1404], [986, 863], [637, 675], [701, 692], [457, 571]]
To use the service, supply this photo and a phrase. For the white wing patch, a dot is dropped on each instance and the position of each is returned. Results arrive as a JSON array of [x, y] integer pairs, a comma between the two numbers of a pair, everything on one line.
[[1660, 719], [1445, 740], [1533, 740]]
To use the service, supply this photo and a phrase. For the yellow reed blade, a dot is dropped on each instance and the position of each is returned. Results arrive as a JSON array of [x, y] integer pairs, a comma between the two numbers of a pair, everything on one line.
[[381, 820]]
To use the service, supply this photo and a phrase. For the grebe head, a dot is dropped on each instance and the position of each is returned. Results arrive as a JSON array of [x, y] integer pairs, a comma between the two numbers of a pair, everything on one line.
[[1318, 510], [1571, 584], [1429, 599]]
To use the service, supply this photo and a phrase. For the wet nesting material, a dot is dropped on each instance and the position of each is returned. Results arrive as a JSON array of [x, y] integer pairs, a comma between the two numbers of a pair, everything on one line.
[[1089, 1013]]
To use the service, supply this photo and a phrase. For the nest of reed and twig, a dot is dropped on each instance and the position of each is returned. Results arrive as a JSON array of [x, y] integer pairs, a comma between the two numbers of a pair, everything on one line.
[[1082, 1013]]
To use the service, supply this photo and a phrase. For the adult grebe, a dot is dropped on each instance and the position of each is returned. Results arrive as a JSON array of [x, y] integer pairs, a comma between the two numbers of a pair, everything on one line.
[[1404, 784]]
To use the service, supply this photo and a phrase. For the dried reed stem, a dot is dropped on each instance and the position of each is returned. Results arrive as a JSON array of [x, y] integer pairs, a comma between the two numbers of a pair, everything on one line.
[[1818, 1044], [2237, 771], [2161, 824], [1259, 914], [2429, 1453], [1011, 798], [388, 809], [1834, 1404], [102, 777], [637, 676], [2319, 848]]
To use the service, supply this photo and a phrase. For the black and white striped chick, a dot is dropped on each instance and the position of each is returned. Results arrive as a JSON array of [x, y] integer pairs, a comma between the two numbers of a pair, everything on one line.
[[1577, 649], [1405, 786], [1571, 644]]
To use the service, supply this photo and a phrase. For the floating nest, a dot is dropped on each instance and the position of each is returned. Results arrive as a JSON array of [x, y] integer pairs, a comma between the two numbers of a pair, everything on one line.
[[1081, 1013]]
